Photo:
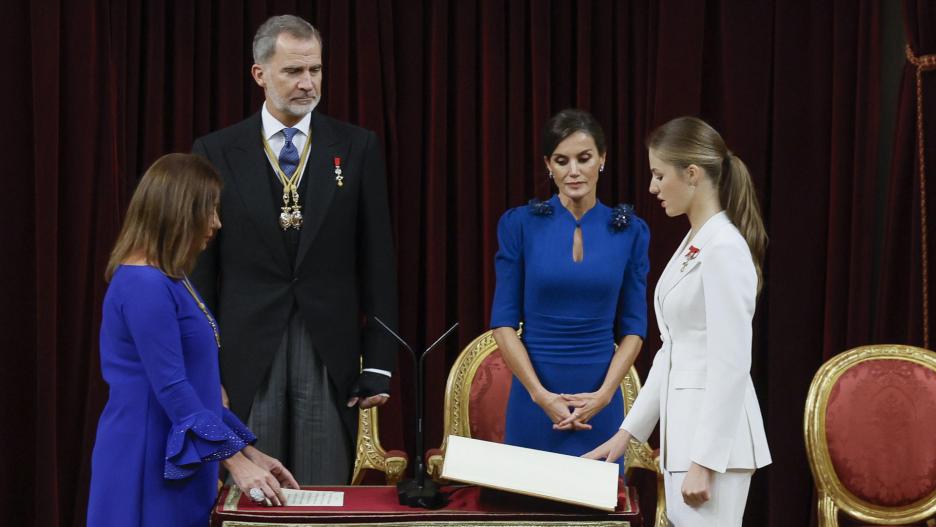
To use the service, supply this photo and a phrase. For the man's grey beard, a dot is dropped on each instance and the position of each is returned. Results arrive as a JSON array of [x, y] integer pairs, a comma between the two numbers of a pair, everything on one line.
[[295, 110]]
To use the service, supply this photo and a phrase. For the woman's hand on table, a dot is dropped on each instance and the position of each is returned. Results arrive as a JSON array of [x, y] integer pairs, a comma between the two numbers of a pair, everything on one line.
[[273, 466], [249, 478], [612, 449]]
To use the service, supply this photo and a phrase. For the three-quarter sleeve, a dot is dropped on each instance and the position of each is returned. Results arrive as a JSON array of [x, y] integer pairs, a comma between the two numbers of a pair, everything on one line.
[[632, 300], [197, 434], [507, 307]]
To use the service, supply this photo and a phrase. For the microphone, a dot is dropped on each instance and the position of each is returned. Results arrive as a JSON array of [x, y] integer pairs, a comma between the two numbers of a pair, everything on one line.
[[419, 492]]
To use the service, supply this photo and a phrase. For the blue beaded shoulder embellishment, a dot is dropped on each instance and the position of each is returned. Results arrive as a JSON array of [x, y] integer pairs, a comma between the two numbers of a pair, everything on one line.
[[540, 208], [621, 217]]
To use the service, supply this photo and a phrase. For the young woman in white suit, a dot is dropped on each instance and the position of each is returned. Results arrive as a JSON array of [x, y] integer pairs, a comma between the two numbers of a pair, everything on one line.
[[699, 388]]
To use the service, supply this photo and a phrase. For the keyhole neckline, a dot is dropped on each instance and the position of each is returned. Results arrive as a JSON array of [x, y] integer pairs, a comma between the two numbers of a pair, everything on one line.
[[578, 221]]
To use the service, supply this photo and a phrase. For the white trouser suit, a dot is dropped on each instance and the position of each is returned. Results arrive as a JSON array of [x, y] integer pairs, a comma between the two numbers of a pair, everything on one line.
[[699, 387]]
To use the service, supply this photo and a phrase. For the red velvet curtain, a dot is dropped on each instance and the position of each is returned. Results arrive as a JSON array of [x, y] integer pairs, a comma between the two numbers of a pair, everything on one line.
[[458, 91], [822, 169], [902, 292]]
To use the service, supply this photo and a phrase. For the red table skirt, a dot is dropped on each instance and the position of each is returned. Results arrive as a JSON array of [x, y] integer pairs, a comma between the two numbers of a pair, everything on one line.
[[468, 505]]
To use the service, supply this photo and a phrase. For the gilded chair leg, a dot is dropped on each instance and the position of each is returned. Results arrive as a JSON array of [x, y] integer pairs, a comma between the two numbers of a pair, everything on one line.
[[358, 474], [828, 512], [370, 455], [660, 519]]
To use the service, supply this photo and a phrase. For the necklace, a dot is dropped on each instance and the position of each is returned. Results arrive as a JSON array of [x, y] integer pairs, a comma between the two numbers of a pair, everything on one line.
[[204, 309], [291, 212]]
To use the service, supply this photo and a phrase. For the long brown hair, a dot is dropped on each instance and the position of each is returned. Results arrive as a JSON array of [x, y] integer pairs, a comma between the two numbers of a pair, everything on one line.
[[686, 141], [169, 212]]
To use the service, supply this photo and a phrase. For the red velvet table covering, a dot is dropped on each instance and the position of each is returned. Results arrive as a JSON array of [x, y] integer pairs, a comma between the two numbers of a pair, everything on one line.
[[468, 505]]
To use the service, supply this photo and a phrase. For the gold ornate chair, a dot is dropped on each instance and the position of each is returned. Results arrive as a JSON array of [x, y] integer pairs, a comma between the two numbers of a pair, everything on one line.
[[476, 402], [870, 431], [369, 454]]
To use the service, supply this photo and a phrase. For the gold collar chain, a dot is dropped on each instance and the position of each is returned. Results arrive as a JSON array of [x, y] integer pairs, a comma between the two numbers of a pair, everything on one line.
[[291, 212]]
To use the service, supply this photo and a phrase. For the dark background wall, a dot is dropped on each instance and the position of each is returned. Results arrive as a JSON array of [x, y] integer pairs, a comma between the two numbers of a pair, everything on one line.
[[814, 96]]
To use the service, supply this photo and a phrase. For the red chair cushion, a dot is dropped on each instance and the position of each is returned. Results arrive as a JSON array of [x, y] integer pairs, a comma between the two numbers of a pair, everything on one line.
[[488, 400], [881, 431]]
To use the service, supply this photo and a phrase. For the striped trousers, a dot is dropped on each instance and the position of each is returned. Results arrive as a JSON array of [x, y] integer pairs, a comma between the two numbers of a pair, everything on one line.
[[296, 414]]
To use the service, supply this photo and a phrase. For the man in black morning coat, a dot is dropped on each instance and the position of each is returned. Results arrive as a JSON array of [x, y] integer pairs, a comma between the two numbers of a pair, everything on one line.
[[295, 300]]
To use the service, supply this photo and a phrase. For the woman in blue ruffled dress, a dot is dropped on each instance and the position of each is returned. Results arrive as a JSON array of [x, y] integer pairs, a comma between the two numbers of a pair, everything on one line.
[[164, 429], [574, 272]]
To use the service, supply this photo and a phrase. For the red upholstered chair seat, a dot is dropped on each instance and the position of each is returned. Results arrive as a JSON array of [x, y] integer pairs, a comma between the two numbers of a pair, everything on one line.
[[881, 431], [870, 429]]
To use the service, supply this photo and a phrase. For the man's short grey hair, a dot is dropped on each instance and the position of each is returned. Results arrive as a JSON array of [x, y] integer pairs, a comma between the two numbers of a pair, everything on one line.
[[264, 43]]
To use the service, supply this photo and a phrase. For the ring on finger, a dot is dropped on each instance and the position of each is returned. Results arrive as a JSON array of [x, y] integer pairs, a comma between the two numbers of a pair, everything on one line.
[[256, 494]]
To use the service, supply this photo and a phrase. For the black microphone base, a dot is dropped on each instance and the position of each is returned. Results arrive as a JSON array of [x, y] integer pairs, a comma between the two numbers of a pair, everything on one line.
[[426, 495]]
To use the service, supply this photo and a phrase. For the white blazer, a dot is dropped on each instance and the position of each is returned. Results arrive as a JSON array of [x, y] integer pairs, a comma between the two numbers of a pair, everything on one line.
[[699, 387]]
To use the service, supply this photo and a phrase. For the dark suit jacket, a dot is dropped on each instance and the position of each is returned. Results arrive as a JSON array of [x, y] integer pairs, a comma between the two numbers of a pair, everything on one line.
[[344, 270]]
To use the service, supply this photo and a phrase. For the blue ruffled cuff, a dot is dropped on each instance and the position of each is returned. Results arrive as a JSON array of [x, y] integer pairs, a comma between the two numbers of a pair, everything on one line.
[[238, 426], [202, 438]]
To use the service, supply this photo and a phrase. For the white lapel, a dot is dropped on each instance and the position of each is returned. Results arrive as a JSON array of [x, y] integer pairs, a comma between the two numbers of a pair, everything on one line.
[[675, 270], [667, 277]]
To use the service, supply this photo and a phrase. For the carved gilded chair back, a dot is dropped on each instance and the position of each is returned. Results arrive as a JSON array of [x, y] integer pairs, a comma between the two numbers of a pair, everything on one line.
[[870, 432]]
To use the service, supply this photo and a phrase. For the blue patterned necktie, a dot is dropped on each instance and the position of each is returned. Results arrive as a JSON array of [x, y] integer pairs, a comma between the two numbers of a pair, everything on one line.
[[289, 155]]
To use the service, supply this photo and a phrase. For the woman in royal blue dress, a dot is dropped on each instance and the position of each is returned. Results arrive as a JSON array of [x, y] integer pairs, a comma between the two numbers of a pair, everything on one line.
[[164, 429], [573, 271]]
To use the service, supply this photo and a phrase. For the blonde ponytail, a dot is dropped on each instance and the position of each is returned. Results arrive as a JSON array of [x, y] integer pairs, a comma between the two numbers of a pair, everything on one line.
[[737, 195]]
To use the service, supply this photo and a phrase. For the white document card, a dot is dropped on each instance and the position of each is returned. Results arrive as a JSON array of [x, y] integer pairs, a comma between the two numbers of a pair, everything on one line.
[[313, 498], [547, 475]]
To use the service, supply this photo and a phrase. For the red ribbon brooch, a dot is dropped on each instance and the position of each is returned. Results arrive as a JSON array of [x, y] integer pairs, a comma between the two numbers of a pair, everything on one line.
[[339, 179], [689, 256]]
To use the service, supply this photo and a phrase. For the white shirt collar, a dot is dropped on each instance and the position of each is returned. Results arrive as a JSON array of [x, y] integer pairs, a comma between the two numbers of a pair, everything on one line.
[[272, 125]]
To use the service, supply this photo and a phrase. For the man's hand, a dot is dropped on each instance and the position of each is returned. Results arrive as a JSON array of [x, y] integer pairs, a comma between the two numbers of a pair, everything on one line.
[[370, 389], [368, 402]]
